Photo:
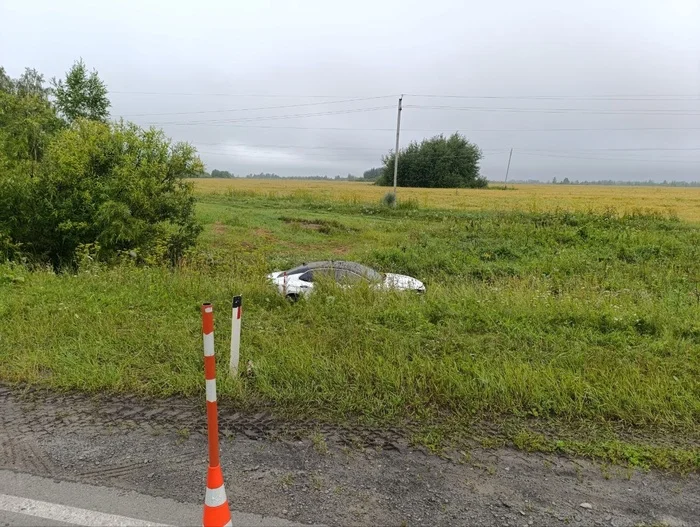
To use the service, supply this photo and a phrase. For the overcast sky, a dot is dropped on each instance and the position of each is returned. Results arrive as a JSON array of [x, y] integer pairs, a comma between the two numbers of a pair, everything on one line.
[[578, 89]]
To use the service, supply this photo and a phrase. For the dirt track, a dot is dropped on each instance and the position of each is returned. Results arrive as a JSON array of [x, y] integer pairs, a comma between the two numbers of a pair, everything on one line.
[[337, 477]]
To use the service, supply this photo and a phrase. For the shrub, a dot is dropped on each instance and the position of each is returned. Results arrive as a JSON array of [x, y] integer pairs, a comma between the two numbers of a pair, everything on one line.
[[389, 199], [115, 185], [439, 162]]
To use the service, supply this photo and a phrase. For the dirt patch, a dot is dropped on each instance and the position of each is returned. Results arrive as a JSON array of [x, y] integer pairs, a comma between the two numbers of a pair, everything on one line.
[[263, 233], [157, 447], [319, 225], [344, 249], [219, 228]]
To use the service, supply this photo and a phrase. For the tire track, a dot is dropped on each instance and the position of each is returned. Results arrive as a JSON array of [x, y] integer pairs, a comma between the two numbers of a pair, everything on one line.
[[7, 453], [26, 411], [25, 454], [126, 469]]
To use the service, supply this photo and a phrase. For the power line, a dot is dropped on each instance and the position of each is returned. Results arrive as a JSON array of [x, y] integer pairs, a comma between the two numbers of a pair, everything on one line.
[[260, 95], [650, 149], [271, 117], [258, 108], [504, 148], [553, 154], [443, 130], [555, 110], [285, 146], [613, 97], [567, 97], [567, 156], [316, 154]]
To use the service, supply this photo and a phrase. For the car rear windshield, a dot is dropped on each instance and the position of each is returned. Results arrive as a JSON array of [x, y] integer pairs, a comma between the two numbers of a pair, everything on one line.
[[354, 267]]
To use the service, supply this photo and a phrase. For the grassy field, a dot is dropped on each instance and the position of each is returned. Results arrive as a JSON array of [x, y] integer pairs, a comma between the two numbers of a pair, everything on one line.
[[681, 202], [559, 331]]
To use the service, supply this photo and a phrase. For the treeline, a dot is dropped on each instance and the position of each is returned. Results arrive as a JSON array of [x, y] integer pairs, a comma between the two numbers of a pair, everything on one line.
[[373, 174], [74, 185], [264, 175], [647, 183]]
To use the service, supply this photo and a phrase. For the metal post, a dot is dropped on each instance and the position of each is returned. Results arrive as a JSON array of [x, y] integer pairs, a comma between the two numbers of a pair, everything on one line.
[[396, 150], [508, 169], [235, 334]]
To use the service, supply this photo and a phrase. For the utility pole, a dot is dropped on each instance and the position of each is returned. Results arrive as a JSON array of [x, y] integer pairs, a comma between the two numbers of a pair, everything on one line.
[[508, 169], [396, 151]]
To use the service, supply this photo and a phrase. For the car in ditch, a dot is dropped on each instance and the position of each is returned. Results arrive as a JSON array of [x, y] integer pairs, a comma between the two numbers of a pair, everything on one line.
[[299, 281]]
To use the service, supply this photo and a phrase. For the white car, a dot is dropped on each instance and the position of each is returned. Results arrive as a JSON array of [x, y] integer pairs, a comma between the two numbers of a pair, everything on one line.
[[300, 280]]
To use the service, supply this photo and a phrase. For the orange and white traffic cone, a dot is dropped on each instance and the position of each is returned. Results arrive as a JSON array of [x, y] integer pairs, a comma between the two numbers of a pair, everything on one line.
[[216, 511]]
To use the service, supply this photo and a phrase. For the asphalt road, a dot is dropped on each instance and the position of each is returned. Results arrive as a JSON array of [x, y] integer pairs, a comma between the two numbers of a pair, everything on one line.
[[33, 500]]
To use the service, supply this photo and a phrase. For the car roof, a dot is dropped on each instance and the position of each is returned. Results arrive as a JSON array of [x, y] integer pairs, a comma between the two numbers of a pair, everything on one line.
[[354, 267]]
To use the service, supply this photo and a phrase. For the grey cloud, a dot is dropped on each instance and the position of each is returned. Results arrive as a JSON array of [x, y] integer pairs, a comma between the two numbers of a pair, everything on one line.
[[178, 50]]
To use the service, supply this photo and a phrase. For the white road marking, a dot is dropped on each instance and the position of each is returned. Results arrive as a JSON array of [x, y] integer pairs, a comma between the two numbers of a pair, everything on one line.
[[66, 514]]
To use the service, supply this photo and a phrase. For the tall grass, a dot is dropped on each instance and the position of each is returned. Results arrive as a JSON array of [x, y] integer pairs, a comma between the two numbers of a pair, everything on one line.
[[583, 318], [684, 202]]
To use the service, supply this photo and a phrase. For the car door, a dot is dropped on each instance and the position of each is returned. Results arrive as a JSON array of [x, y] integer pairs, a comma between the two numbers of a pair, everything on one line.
[[305, 282], [347, 277]]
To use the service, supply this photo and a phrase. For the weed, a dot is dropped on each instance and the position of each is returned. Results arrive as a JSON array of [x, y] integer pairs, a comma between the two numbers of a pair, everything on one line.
[[287, 480], [529, 441], [431, 437], [316, 482], [491, 442], [320, 444]]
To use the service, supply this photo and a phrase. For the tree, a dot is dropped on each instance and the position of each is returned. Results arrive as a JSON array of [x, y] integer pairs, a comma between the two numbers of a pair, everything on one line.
[[5, 81], [437, 162], [31, 82], [27, 121], [116, 187], [373, 174], [221, 174], [81, 95]]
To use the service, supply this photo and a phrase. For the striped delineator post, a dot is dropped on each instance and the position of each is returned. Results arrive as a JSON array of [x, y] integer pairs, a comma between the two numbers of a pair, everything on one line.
[[235, 334], [216, 511]]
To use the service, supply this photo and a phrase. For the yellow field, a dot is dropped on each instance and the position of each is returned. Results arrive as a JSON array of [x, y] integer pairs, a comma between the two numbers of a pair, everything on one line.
[[683, 202]]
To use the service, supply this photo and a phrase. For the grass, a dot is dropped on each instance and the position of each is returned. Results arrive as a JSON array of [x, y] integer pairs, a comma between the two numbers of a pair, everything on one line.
[[573, 332], [681, 202]]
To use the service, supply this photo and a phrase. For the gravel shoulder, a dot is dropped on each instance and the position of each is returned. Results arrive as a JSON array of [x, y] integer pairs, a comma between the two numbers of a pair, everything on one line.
[[332, 476]]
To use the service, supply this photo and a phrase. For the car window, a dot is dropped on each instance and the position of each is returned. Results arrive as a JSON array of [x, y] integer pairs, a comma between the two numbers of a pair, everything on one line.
[[324, 272], [344, 276], [328, 267], [309, 276]]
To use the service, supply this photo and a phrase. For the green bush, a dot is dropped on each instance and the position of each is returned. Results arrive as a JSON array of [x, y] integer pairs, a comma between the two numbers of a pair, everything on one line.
[[439, 162], [114, 185], [389, 199]]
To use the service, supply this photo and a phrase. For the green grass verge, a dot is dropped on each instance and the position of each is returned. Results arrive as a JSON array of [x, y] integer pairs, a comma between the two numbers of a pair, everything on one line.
[[573, 321]]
